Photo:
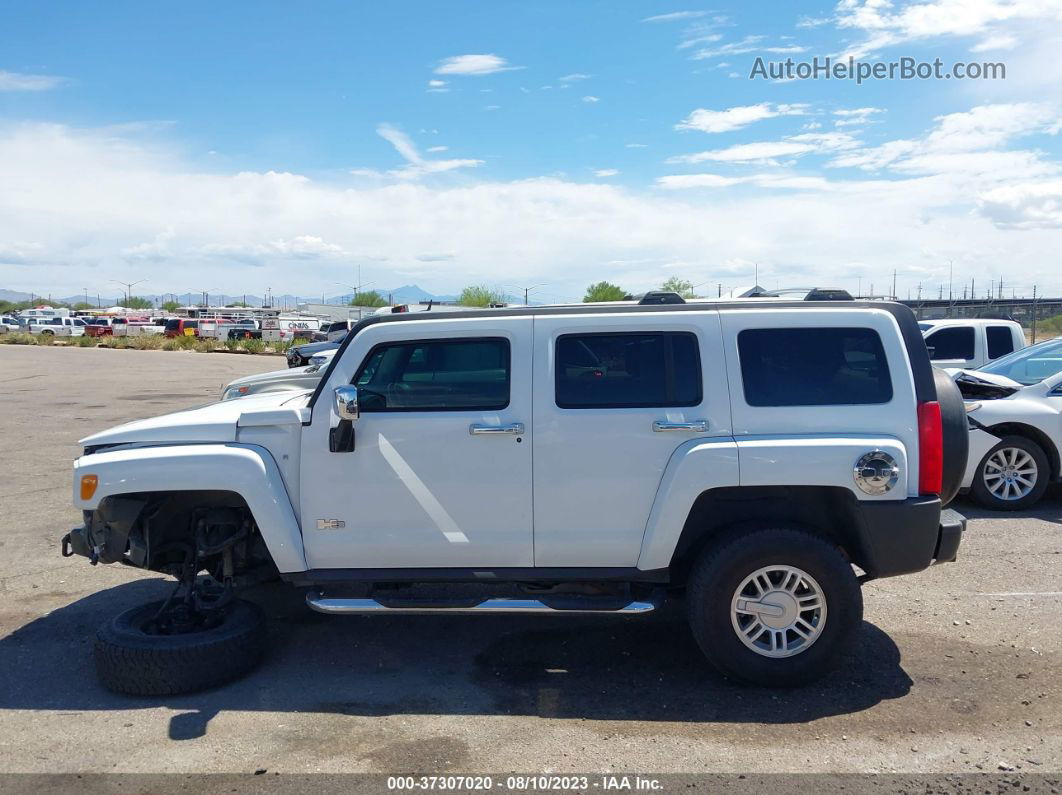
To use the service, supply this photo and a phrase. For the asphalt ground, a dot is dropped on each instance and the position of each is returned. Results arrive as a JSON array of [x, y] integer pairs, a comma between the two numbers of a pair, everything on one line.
[[958, 669]]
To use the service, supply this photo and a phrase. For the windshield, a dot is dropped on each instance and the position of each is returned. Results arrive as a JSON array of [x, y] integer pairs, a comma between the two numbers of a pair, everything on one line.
[[1029, 365]]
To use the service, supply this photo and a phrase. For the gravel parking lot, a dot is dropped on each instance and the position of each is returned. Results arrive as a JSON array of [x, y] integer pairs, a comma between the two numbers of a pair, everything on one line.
[[958, 669]]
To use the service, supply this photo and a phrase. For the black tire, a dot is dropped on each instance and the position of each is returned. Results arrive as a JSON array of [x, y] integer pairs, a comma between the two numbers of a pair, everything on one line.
[[722, 568], [980, 489], [956, 433], [128, 660]]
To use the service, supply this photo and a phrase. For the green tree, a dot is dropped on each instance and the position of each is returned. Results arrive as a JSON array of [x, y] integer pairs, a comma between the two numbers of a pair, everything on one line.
[[479, 295], [82, 305], [136, 302], [239, 303], [368, 298], [677, 285], [604, 291], [170, 306]]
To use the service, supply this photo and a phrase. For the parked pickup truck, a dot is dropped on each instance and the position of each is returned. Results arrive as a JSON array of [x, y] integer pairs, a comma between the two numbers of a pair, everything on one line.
[[743, 457], [968, 343]]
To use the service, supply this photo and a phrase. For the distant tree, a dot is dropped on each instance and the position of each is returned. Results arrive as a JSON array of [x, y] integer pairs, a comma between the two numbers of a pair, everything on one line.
[[368, 298], [136, 302], [170, 306], [82, 305], [479, 295], [677, 285], [239, 303], [604, 291]]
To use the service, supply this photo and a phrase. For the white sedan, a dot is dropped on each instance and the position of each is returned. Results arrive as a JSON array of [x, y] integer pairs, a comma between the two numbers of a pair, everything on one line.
[[280, 380], [1015, 409]]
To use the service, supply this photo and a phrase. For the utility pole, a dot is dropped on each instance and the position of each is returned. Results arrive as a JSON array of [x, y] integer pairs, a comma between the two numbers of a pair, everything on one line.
[[86, 296], [1034, 315], [529, 289], [951, 294], [894, 284], [720, 293], [128, 287]]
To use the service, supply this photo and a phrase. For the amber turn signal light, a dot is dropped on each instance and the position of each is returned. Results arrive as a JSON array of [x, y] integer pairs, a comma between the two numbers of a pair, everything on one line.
[[88, 486]]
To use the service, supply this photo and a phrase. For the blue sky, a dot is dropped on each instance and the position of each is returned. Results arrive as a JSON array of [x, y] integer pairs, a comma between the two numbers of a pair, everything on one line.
[[515, 143]]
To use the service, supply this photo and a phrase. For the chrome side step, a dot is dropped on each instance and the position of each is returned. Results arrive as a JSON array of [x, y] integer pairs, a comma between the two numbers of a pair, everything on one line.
[[363, 605]]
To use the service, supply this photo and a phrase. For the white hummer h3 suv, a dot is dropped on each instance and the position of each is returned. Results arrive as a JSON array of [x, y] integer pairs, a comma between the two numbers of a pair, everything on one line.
[[758, 460]]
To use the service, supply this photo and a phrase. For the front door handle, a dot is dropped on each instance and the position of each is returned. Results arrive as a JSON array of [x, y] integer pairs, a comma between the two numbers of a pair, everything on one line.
[[513, 428], [696, 426]]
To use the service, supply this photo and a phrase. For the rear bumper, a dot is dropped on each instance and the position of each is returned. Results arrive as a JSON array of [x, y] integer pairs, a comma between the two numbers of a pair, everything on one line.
[[906, 535], [952, 526]]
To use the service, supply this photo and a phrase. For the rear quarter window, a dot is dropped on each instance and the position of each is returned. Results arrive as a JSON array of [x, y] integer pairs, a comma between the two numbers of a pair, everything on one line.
[[813, 367], [1000, 341]]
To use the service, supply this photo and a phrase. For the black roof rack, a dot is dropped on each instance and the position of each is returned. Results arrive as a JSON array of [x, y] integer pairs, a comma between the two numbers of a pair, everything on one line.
[[659, 297]]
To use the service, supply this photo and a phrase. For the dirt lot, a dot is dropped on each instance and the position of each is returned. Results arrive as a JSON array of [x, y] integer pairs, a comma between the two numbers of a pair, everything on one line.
[[958, 669]]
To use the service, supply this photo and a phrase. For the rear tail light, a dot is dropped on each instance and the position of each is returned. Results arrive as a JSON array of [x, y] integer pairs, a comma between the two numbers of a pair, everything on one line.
[[930, 448]]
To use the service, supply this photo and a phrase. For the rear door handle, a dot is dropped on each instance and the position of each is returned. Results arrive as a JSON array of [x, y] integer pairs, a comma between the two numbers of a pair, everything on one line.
[[696, 426], [513, 428]]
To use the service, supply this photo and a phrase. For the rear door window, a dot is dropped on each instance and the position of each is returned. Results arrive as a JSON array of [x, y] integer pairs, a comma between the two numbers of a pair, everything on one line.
[[603, 371], [813, 367], [1000, 341], [956, 342]]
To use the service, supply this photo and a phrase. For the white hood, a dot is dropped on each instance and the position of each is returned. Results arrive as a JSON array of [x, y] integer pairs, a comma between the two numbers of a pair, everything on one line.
[[988, 378], [215, 422]]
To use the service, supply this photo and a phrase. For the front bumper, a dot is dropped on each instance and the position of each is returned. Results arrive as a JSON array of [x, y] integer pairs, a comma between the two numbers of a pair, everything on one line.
[[109, 534]]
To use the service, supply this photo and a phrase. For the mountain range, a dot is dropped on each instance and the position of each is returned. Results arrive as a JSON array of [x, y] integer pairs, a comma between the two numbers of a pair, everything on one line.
[[409, 293]]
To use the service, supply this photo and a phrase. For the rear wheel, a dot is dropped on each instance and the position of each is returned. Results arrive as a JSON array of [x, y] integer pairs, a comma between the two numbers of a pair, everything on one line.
[[48, 332], [774, 607], [1013, 475]]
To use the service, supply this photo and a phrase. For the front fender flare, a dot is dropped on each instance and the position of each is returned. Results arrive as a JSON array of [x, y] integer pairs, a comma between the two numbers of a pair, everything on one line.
[[247, 470]]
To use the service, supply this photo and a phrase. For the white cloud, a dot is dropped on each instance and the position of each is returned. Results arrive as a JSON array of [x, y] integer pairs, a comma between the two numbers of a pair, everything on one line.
[[688, 181], [473, 65], [591, 99], [718, 121], [72, 234], [1029, 205], [675, 16], [417, 166], [438, 87], [746, 45], [851, 117], [636, 146], [1002, 41], [16, 81], [886, 24], [433, 149], [300, 247], [606, 172], [436, 83], [768, 151], [573, 77]]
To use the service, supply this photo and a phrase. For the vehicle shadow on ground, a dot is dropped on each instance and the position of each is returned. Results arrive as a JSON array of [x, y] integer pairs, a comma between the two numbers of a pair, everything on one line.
[[1047, 509], [596, 668]]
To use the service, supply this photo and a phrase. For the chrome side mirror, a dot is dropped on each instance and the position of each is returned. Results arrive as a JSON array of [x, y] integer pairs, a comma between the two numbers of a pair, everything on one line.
[[347, 402]]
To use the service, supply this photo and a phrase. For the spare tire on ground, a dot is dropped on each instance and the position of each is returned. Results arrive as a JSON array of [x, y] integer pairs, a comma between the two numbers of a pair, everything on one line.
[[956, 432], [130, 660]]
